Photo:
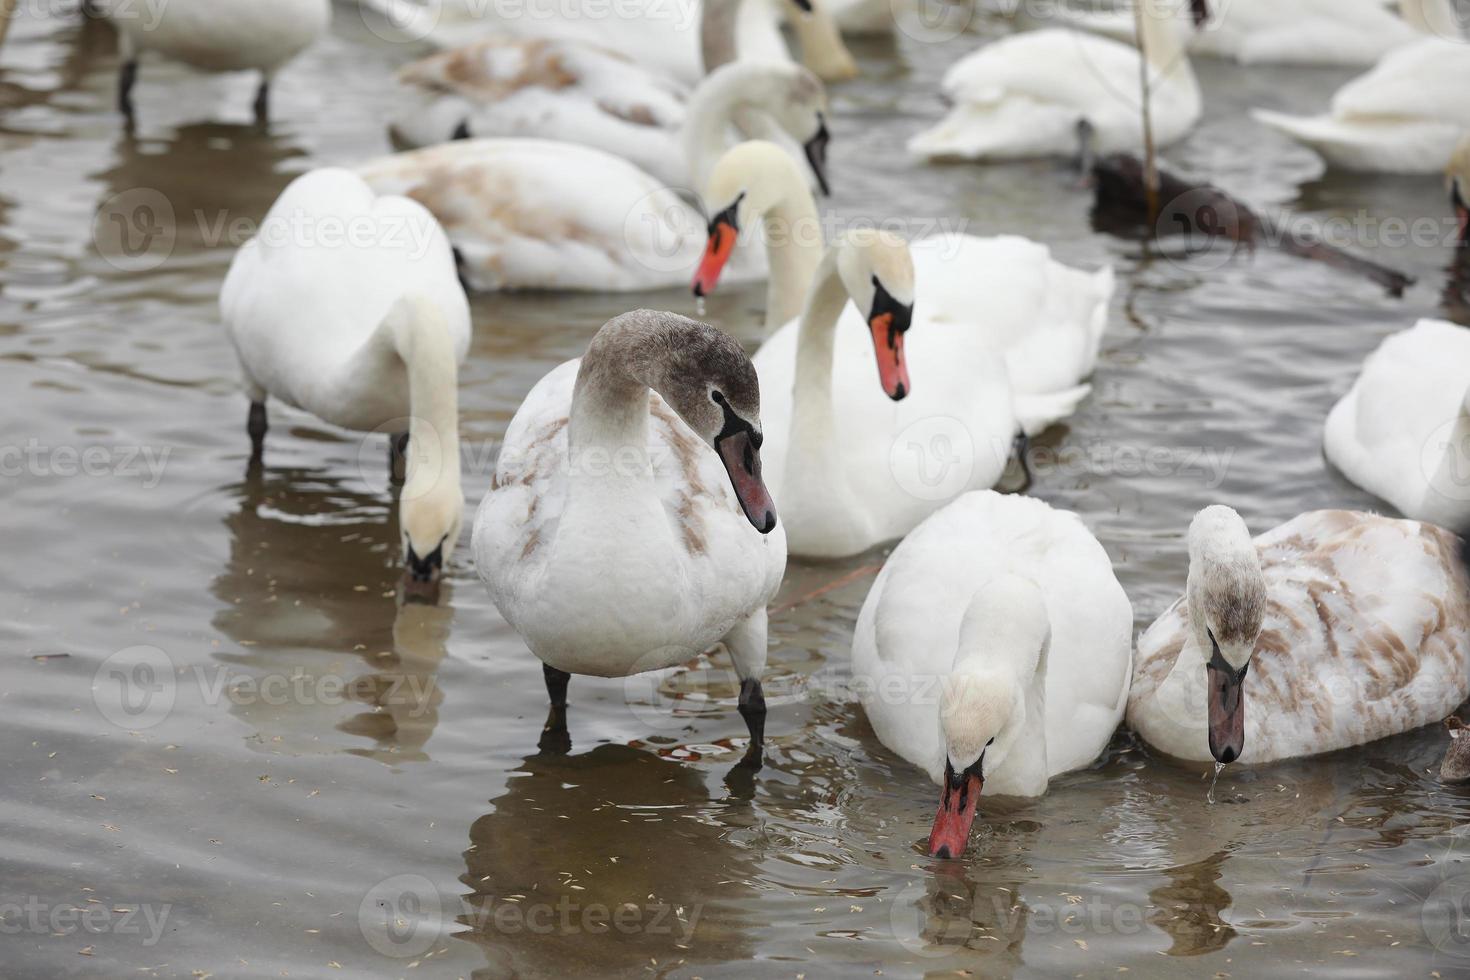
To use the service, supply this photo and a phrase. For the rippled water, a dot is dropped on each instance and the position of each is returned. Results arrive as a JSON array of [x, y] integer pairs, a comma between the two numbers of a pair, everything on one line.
[[324, 778]]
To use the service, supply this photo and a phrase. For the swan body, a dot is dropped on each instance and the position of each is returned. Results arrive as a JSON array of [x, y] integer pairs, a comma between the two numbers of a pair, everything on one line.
[[611, 538], [1404, 116], [215, 36], [1349, 33], [539, 214], [681, 41], [346, 306], [996, 617], [1400, 431], [220, 35], [1024, 95], [1353, 627], [577, 93]]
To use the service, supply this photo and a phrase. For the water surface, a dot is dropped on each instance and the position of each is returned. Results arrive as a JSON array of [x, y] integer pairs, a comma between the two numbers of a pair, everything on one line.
[[340, 782]]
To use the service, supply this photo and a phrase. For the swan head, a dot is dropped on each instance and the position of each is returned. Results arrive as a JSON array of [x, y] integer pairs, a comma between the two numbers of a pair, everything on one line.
[[747, 183], [1457, 181], [787, 100], [429, 518], [1003, 641], [709, 382], [877, 270], [1226, 594]]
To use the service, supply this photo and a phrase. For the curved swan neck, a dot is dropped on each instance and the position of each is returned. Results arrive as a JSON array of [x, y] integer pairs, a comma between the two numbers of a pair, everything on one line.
[[813, 419], [710, 112], [794, 247], [717, 19], [420, 335], [1163, 39], [610, 400], [1435, 17]]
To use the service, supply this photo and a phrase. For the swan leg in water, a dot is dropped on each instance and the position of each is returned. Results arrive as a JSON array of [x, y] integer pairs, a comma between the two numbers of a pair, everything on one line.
[[263, 101], [555, 739], [127, 75], [255, 424], [1020, 449]]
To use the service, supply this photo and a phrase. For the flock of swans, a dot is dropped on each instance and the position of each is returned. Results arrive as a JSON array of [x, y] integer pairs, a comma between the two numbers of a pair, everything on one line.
[[632, 521]]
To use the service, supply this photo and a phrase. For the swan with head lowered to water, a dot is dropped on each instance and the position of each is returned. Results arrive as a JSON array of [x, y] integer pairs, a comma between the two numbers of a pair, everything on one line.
[[1405, 116], [1039, 92], [627, 528], [1332, 630], [994, 652], [346, 305]]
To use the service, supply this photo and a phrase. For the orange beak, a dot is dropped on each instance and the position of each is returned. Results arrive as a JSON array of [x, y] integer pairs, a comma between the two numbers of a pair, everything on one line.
[[893, 373], [951, 833]]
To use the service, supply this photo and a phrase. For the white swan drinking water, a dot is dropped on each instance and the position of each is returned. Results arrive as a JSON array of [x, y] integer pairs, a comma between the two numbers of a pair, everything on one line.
[[994, 653], [346, 305]]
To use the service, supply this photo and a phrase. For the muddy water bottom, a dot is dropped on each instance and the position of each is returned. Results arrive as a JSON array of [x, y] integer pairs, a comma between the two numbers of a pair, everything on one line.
[[231, 749]]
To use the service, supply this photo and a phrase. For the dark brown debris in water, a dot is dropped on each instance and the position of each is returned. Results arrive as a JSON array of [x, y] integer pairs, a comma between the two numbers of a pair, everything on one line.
[[1456, 767], [1201, 209]]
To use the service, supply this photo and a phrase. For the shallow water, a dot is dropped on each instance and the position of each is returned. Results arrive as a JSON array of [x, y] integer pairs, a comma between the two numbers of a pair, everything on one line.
[[310, 776]]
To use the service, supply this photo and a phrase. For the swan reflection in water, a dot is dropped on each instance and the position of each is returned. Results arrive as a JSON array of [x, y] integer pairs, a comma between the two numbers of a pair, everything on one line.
[[311, 597], [609, 860]]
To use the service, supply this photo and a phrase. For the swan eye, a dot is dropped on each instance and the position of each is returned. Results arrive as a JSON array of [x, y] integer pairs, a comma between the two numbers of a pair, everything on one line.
[[991, 742], [717, 396]]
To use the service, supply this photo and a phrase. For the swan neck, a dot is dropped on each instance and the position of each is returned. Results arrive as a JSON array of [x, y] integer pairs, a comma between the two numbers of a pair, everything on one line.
[[1163, 39], [710, 112], [609, 414], [421, 337], [717, 32], [794, 247], [813, 440], [1433, 17]]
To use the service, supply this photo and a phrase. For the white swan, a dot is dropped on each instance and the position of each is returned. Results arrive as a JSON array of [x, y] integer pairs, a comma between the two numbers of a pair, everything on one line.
[[994, 651], [1025, 95], [1353, 33], [215, 35], [1046, 318], [680, 40], [345, 305], [1332, 630], [539, 214], [1400, 432], [611, 538], [1405, 116], [564, 90]]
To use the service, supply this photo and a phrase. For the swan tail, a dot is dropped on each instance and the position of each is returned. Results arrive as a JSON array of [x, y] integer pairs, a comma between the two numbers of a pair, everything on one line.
[[1037, 412], [1387, 145]]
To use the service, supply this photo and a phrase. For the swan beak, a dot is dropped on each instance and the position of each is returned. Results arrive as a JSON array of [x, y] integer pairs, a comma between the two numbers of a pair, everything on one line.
[[421, 581], [741, 456], [724, 230], [956, 814], [1227, 711], [890, 320], [1200, 9], [816, 154]]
